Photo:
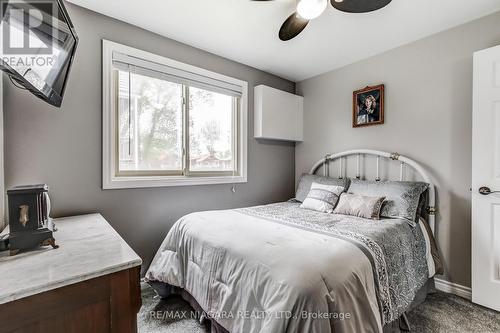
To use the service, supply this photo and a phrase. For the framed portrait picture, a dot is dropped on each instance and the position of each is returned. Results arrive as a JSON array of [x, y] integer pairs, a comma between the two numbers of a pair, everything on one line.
[[368, 106]]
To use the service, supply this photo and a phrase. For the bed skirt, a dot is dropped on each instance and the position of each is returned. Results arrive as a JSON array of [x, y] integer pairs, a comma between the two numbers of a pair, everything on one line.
[[165, 290]]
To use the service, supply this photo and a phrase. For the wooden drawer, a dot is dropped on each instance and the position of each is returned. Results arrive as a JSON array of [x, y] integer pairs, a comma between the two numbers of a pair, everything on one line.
[[108, 303]]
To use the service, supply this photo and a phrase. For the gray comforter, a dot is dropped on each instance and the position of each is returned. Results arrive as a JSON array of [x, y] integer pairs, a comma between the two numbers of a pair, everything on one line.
[[279, 268]]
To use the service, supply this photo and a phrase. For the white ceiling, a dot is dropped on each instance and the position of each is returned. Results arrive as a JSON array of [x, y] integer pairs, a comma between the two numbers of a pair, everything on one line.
[[247, 31]]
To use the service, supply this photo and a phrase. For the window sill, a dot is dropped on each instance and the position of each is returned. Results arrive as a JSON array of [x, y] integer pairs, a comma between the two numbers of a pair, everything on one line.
[[168, 181]]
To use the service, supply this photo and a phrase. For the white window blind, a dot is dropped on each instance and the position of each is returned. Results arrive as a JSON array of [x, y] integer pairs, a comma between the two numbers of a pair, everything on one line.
[[185, 77]]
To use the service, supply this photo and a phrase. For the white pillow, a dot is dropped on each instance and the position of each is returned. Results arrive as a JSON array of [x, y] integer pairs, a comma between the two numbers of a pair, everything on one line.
[[360, 206], [322, 198]]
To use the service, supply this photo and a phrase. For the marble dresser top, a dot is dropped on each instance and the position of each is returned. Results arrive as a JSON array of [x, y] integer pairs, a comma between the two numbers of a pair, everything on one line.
[[88, 247]]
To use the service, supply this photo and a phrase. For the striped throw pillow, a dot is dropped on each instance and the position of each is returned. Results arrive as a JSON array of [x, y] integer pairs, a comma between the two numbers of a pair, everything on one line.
[[322, 198]]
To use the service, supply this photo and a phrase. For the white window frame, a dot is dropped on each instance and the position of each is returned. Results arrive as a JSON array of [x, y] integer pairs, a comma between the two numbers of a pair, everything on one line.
[[110, 179]]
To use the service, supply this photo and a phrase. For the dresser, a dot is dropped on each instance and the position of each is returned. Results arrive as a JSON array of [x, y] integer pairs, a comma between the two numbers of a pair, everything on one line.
[[91, 283]]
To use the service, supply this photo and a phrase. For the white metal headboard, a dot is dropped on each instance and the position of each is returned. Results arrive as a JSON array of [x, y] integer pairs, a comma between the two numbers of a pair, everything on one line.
[[431, 209]]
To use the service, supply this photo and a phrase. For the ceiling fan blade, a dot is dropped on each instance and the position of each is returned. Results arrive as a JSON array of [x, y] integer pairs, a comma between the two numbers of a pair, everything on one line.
[[293, 26], [359, 6]]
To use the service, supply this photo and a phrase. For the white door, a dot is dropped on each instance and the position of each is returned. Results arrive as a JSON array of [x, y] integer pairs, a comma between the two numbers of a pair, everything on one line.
[[486, 179], [3, 221]]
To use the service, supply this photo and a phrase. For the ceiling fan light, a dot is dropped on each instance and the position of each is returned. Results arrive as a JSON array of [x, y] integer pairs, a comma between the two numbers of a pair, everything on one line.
[[310, 9]]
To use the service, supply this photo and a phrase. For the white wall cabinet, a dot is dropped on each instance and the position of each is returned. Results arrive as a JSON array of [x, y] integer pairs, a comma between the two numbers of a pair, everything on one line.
[[278, 114]]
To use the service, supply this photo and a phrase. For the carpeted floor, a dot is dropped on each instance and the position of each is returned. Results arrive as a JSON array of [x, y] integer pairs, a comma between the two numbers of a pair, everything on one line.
[[439, 313]]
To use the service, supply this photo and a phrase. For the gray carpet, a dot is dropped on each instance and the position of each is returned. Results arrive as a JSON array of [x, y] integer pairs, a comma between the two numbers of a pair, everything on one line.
[[439, 313]]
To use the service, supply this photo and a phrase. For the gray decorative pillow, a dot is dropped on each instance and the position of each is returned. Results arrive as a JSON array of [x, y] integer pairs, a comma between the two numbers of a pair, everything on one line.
[[360, 206], [422, 205], [306, 181], [322, 198], [402, 198]]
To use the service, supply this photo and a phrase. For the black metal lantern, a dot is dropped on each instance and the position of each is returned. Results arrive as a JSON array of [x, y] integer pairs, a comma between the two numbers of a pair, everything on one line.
[[29, 222]]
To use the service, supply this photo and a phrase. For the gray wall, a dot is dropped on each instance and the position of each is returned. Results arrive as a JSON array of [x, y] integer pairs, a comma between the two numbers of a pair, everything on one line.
[[63, 147], [428, 117]]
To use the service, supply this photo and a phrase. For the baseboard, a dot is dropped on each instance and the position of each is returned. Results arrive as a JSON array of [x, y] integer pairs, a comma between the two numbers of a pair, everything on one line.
[[453, 288]]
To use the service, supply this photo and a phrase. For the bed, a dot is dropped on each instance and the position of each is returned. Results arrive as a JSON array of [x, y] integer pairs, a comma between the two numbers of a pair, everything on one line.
[[283, 268]]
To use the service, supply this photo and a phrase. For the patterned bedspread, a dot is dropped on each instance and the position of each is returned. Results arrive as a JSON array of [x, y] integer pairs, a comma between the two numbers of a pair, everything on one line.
[[396, 250]]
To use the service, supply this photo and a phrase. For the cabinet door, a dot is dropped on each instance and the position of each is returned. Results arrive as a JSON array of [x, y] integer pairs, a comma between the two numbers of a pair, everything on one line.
[[278, 114]]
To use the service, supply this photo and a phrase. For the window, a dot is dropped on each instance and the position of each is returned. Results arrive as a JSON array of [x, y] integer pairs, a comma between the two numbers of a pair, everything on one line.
[[167, 124]]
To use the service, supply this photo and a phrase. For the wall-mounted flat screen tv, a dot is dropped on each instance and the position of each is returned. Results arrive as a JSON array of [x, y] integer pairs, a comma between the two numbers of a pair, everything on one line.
[[37, 46]]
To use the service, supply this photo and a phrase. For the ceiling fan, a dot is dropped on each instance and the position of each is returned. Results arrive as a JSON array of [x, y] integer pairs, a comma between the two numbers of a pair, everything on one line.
[[310, 9]]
